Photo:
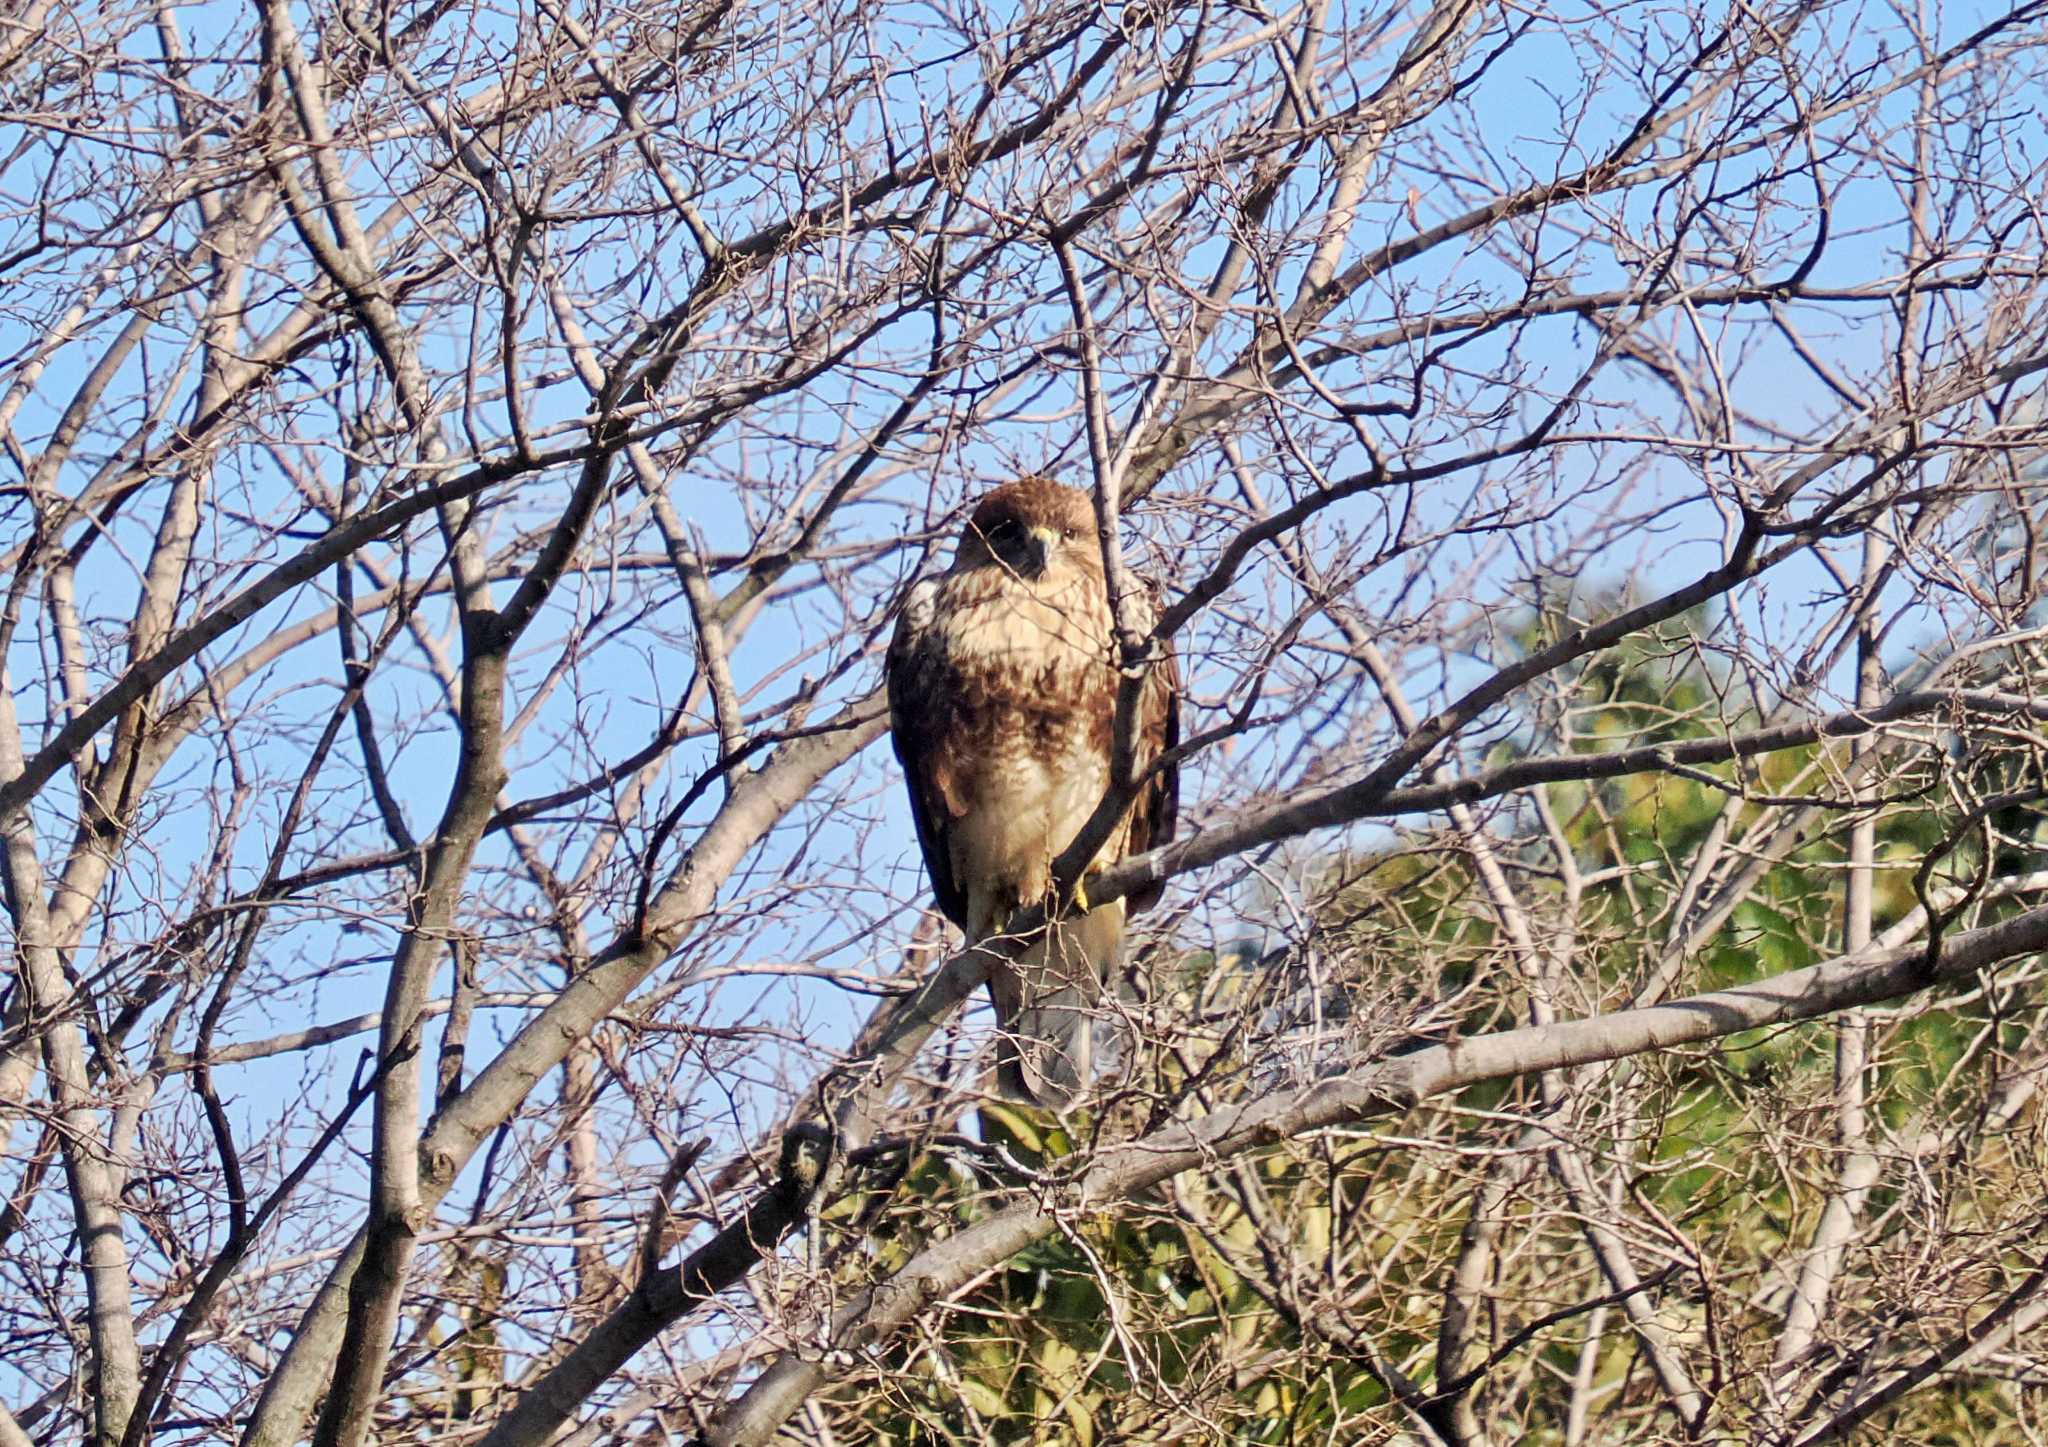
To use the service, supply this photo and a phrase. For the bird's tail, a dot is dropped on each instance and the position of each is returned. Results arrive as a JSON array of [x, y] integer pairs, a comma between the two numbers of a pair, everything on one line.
[[1053, 1010]]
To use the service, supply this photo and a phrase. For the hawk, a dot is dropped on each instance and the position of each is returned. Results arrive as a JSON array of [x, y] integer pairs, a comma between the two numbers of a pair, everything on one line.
[[1002, 700]]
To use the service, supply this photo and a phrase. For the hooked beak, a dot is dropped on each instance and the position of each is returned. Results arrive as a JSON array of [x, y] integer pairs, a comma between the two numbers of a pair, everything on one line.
[[1043, 541]]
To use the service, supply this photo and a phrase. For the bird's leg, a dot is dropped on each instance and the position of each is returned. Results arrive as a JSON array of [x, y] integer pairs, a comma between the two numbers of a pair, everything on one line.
[[1081, 888], [1011, 899]]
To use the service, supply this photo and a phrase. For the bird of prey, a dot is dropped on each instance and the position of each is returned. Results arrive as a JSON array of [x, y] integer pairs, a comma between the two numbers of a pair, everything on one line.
[[1002, 698]]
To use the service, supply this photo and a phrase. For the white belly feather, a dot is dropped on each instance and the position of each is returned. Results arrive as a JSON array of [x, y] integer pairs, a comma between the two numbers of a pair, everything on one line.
[[1024, 811], [1029, 793]]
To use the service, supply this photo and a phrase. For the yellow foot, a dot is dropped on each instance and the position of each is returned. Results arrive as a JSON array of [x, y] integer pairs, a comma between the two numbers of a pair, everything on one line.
[[1081, 891]]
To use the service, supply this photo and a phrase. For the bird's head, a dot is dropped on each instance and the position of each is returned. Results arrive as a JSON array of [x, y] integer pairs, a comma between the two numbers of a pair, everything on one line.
[[1034, 528]]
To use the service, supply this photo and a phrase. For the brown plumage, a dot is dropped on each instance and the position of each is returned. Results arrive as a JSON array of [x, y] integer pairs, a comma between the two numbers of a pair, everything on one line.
[[1002, 698]]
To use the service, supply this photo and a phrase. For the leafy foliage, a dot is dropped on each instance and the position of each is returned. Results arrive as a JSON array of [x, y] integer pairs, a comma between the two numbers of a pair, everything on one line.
[[1296, 1296]]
